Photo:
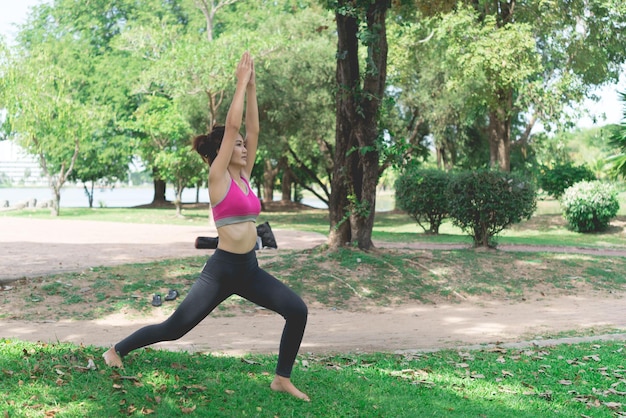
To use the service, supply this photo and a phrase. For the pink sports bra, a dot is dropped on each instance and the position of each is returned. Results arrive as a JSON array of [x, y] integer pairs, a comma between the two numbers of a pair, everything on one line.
[[236, 206]]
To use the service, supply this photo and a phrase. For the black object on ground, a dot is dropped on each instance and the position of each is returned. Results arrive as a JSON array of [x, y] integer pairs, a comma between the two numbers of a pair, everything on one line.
[[156, 300], [171, 295]]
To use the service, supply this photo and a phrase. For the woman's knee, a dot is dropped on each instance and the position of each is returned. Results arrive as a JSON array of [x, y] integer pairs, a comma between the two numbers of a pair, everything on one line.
[[173, 330], [298, 310]]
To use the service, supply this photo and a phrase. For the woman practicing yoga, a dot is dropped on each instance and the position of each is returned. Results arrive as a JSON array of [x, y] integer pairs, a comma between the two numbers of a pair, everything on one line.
[[233, 268]]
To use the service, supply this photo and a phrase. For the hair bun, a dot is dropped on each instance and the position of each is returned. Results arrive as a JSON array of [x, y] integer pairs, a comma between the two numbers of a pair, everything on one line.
[[207, 144]]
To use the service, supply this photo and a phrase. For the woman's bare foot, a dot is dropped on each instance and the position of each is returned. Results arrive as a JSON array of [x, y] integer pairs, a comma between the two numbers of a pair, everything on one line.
[[112, 359], [283, 384]]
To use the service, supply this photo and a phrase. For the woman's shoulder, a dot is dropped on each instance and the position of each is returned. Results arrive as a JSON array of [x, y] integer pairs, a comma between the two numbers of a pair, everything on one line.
[[219, 176]]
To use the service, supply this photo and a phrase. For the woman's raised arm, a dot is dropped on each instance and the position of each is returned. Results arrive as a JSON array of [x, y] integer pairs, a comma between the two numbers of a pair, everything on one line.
[[252, 123], [233, 121]]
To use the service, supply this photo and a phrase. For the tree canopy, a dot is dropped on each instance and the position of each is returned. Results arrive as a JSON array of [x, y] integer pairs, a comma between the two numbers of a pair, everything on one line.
[[346, 89]]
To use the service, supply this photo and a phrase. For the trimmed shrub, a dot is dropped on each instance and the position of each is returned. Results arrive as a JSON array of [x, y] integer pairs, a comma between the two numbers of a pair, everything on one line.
[[555, 180], [484, 202], [589, 206], [422, 194]]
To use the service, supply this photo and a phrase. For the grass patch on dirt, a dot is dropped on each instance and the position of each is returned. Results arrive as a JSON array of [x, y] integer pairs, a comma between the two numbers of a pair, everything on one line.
[[348, 279]]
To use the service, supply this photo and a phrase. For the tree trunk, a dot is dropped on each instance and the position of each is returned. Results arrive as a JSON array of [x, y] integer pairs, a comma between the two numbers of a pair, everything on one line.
[[347, 75], [442, 158], [356, 168], [493, 135], [362, 218], [285, 185], [269, 178], [56, 201], [178, 202], [504, 148], [499, 142], [89, 193], [57, 182], [159, 191], [500, 134]]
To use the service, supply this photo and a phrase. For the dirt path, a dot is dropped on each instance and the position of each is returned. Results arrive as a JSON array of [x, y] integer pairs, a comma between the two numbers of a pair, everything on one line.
[[32, 247]]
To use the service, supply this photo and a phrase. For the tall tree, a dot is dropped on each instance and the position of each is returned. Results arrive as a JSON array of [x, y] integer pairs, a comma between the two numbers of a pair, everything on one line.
[[72, 41], [512, 63], [153, 32], [47, 112], [296, 102], [102, 161], [360, 87], [431, 101], [164, 133], [580, 45]]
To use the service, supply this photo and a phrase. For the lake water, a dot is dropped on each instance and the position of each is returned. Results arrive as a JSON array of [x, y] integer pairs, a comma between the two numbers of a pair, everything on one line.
[[73, 197]]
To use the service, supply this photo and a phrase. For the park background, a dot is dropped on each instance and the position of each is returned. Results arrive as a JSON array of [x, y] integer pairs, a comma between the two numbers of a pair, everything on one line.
[[534, 380], [26, 181]]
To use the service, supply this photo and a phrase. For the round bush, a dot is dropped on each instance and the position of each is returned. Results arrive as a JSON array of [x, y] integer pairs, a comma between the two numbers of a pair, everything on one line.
[[422, 194], [484, 202], [589, 206], [555, 180]]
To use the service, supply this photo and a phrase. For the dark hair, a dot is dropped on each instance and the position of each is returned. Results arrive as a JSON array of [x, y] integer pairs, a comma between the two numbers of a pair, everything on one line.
[[207, 145]]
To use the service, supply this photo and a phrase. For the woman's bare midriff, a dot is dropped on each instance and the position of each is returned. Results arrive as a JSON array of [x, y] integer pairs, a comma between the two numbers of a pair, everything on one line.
[[237, 238]]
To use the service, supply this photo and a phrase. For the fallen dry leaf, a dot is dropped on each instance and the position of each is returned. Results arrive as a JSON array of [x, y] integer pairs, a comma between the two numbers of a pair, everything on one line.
[[177, 366], [198, 387], [187, 410], [618, 383], [614, 392], [545, 395], [613, 405]]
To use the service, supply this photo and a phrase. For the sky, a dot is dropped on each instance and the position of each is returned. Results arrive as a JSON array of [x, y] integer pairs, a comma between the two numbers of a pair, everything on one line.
[[16, 11]]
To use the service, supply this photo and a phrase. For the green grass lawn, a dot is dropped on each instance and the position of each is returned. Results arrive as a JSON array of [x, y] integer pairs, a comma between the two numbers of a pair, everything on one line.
[[60, 380], [578, 380]]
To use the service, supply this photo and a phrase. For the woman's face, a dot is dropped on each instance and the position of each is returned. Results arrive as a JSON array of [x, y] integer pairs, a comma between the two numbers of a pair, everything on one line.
[[240, 153]]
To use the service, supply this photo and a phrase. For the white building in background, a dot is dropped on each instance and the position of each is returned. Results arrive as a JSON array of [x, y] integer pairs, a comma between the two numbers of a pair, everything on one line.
[[17, 168]]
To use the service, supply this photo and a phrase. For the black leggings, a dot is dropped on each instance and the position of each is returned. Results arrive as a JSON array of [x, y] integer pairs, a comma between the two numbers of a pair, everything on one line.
[[223, 275]]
